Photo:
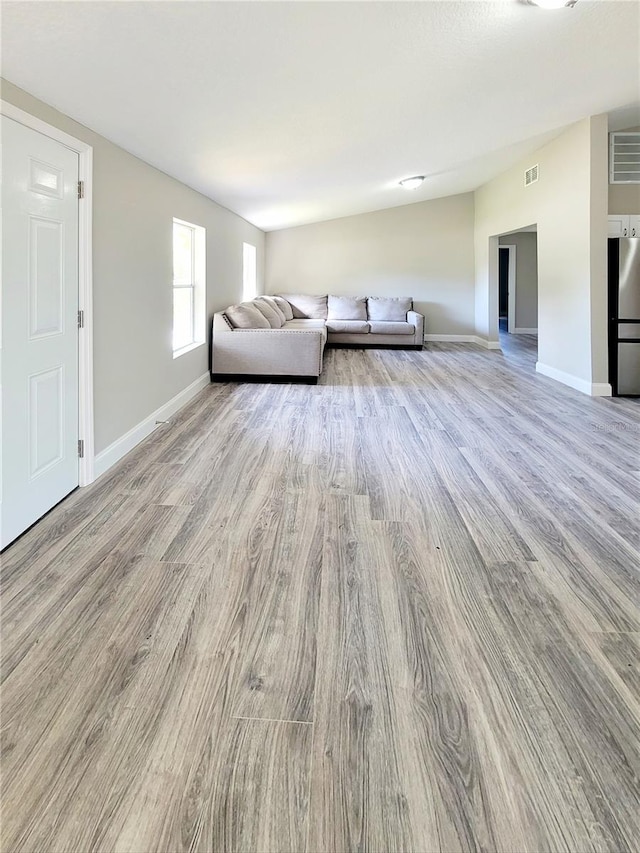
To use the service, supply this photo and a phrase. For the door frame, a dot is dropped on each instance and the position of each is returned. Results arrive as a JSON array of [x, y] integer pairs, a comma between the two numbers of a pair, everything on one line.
[[85, 279], [511, 287]]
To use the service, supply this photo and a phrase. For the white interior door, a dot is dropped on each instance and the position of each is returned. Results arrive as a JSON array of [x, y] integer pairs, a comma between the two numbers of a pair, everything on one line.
[[39, 345]]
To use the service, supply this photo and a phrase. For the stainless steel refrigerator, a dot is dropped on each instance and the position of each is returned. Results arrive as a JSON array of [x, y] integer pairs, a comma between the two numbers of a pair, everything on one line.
[[624, 316]]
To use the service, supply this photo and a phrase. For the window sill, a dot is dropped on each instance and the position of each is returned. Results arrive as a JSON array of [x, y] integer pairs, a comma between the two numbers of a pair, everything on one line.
[[188, 348]]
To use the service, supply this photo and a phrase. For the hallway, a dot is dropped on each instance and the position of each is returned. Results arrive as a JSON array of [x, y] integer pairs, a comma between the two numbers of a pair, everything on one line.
[[521, 350]]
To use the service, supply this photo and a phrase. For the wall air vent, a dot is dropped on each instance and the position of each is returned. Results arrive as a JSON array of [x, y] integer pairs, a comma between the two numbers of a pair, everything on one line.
[[531, 176], [624, 158]]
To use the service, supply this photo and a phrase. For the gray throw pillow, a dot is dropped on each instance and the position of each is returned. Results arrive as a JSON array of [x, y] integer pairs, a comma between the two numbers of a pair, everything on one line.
[[307, 307], [393, 308], [246, 316], [347, 308]]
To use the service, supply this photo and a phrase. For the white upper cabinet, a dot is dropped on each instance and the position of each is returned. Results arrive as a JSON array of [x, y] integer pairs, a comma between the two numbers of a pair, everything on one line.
[[624, 157], [624, 225]]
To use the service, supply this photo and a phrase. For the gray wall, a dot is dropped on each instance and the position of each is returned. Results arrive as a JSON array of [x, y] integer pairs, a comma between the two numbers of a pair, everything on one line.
[[423, 250], [526, 243], [134, 205]]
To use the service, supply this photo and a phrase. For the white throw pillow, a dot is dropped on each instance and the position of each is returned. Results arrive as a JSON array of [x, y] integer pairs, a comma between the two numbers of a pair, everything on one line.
[[246, 316], [347, 308], [393, 308], [271, 300], [284, 307], [273, 316]]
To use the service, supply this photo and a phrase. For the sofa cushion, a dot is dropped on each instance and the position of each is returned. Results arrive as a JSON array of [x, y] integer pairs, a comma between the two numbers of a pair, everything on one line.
[[347, 308], [246, 316], [273, 314], [304, 323], [387, 327], [389, 308], [314, 325], [352, 327], [307, 307], [284, 306]]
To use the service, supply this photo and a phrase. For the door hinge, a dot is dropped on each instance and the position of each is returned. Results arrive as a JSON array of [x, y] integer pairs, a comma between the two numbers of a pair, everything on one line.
[[81, 448], [81, 319], [80, 189]]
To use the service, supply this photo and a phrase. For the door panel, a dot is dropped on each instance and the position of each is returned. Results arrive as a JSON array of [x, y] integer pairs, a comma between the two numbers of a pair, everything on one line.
[[46, 296], [46, 421], [46, 179], [39, 326]]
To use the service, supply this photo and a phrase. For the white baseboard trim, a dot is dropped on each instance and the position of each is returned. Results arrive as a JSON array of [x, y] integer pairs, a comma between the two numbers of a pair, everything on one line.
[[525, 332], [483, 342], [601, 389], [121, 446], [468, 339], [593, 389], [463, 339]]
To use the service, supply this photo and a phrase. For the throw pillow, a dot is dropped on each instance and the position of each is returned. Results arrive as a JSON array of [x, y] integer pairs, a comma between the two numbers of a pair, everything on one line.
[[347, 308], [272, 302], [307, 307], [393, 308], [246, 316], [273, 316], [284, 307]]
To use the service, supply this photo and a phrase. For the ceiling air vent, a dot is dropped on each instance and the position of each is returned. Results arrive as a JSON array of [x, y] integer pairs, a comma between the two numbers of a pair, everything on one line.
[[531, 176], [624, 158]]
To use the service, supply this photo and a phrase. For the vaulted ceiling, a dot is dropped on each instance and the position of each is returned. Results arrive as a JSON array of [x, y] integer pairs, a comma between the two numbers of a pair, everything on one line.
[[293, 112]]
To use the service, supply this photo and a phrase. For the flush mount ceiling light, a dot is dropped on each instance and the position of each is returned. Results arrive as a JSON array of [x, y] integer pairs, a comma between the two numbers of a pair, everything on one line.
[[412, 183], [553, 4]]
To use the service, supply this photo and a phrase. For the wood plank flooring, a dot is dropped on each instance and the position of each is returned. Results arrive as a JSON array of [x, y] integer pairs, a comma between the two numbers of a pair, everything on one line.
[[398, 611]]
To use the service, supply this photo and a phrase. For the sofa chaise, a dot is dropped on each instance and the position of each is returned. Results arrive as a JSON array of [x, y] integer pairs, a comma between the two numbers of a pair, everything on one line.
[[285, 336]]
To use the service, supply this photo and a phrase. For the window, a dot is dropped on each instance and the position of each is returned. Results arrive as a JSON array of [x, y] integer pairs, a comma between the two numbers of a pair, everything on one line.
[[189, 286], [249, 272]]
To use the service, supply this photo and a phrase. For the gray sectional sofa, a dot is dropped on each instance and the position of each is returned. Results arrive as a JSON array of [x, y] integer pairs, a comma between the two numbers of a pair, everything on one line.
[[285, 335]]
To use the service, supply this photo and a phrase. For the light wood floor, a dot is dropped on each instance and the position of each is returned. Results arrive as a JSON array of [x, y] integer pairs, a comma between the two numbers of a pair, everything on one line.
[[398, 611]]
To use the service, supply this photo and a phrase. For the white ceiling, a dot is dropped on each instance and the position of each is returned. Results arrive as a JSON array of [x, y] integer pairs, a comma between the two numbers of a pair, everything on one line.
[[293, 112]]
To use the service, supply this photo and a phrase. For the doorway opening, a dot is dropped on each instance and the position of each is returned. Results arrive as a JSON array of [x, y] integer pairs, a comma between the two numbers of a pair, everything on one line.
[[506, 287], [517, 301]]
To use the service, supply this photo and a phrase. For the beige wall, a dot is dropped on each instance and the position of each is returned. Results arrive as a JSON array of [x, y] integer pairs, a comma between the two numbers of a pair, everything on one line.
[[599, 190], [526, 243], [624, 198], [423, 250], [569, 206], [134, 205]]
